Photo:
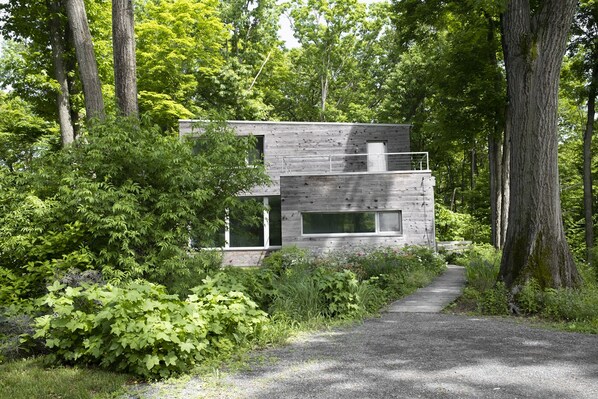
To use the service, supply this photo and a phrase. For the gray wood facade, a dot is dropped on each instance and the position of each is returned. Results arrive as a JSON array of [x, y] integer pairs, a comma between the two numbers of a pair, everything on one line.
[[292, 140], [322, 167], [410, 193]]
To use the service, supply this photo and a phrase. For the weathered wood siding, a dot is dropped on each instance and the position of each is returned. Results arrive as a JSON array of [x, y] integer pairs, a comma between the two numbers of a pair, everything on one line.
[[245, 257], [411, 193], [299, 139]]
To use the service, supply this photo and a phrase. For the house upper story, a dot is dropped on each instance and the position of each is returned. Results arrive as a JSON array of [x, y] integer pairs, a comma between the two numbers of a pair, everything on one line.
[[312, 148]]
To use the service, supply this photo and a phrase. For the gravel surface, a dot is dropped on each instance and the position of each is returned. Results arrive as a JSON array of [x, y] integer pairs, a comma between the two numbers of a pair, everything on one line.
[[413, 355]]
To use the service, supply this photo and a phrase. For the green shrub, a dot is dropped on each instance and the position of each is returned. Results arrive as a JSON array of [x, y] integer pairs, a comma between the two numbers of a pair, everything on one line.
[[297, 294], [189, 271], [339, 291], [392, 261], [495, 301], [371, 296], [257, 283], [530, 298], [124, 199], [286, 258], [482, 265], [455, 226], [571, 305], [142, 330], [304, 292]]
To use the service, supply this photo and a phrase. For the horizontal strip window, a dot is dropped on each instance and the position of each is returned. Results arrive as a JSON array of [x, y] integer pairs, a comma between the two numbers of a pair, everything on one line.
[[352, 222]]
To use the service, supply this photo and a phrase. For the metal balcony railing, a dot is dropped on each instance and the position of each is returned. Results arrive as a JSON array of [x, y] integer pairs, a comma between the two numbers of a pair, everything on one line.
[[348, 163]]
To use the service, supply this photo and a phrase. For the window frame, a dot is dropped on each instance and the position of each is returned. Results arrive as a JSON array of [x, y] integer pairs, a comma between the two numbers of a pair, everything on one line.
[[377, 231]]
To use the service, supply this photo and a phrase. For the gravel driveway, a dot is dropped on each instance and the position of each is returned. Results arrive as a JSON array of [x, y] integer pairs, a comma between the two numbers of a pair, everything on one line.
[[414, 355]]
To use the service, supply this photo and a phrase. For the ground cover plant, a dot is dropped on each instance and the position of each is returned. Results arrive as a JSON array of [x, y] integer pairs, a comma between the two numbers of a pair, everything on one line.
[[565, 308]]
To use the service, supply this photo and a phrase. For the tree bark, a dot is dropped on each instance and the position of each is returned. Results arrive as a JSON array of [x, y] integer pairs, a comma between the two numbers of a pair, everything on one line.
[[57, 33], [535, 245], [88, 67], [587, 159], [125, 64], [494, 160], [495, 138], [506, 184]]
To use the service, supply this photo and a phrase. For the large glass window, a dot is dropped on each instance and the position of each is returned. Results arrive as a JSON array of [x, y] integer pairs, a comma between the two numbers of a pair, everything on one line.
[[351, 222], [244, 232], [274, 221]]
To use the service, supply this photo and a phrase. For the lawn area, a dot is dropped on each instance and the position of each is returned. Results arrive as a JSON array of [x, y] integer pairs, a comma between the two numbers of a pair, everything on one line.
[[30, 379]]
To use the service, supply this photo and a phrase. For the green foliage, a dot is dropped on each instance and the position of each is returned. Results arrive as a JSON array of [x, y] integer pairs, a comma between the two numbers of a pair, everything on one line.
[[190, 271], [347, 283], [530, 297], [140, 329], [178, 52], [339, 291], [572, 305], [124, 199], [21, 132], [387, 261], [332, 76], [257, 283], [454, 226], [482, 264], [297, 294], [303, 293], [578, 308], [495, 301], [592, 269], [286, 258]]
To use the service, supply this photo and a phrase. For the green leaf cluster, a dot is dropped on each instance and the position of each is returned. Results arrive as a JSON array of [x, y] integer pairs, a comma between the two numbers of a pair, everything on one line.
[[140, 329]]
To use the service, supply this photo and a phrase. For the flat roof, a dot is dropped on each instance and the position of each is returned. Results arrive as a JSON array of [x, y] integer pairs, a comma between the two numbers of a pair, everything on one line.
[[302, 123]]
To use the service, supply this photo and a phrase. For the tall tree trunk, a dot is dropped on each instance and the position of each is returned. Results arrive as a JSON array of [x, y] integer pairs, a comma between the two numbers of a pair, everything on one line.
[[57, 33], [70, 61], [125, 65], [587, 159], [494, 160], [88, 67], [535, 43], [495, 138], [506, 185]]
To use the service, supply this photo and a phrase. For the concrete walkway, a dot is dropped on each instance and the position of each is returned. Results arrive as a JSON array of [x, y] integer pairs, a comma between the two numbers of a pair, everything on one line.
[[410, 354], [436, 296]]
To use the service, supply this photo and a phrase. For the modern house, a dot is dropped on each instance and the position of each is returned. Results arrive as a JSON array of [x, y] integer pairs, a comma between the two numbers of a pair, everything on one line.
[[334, 185]]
